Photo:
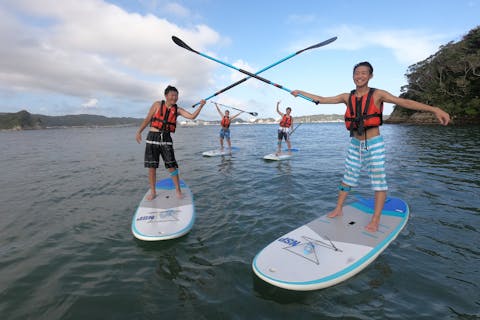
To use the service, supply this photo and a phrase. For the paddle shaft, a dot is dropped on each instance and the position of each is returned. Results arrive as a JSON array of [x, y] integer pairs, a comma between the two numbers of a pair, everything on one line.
[[318, 45], [252, 113], [182, 44], [296, 128]]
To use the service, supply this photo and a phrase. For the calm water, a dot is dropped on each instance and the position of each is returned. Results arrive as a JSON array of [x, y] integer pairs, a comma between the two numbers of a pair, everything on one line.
[[68, 196]]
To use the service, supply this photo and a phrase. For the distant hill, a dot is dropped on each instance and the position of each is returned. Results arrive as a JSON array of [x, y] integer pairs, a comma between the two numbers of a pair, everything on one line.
[[24, 120]]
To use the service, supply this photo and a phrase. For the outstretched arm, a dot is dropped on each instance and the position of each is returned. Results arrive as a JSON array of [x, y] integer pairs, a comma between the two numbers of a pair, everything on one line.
[[278, 110], [441, 115], [341, 98], [236, 115], [219, 111], [146, 121], [184, 113]]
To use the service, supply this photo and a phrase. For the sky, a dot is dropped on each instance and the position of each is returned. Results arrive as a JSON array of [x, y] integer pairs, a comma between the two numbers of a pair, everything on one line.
[[115, 57]]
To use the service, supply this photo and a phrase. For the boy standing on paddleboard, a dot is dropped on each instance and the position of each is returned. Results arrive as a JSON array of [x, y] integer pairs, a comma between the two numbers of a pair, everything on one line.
[[286, 125], [225, 123], [162, 118], [363, 118]]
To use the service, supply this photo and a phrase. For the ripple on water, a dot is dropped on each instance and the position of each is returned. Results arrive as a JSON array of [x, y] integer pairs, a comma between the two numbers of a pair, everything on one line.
[[68, 252]]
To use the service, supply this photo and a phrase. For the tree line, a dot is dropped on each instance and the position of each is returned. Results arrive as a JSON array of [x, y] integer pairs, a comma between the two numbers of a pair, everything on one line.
[[449, 79]]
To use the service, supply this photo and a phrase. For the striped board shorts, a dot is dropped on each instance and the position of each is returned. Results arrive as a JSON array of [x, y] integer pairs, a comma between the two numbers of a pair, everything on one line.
[[369, 154]]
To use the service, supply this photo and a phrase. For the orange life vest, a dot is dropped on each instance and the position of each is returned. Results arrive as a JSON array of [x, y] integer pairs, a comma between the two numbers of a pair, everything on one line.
[[362, 113], [165, 119], [225, 122], [286, 121]]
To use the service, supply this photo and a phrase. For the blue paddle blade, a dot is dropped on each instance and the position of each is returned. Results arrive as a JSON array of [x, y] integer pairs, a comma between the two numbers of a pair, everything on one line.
[[292, 150]]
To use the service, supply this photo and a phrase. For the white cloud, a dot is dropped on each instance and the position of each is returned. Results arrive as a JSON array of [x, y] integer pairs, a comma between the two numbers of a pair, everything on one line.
[[301, 18], [408, 46], [177, 9], [89, 47], [91, 103]]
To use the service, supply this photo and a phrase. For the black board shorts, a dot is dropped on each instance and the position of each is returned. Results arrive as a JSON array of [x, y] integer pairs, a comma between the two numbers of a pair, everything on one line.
[[283, 134], [159, 144]]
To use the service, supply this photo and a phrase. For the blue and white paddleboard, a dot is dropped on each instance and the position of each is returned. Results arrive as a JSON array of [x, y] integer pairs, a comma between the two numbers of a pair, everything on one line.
[[166, 216], [328, 251], [217, 152], [279, 157]]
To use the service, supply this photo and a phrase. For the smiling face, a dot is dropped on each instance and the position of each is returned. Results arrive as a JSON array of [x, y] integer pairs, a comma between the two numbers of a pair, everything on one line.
[[171, 98], [361, 76]]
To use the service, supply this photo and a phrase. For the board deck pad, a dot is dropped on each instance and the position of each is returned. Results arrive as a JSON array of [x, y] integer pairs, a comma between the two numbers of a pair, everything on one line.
[[217, 152], [164, 217], [327, 251], [280, 157]]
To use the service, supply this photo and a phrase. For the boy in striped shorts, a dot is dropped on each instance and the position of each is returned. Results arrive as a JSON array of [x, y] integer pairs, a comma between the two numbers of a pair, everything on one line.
[[363, 118]]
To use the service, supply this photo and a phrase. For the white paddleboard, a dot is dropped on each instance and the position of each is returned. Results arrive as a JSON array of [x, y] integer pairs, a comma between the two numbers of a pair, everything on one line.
[[217, 152], [166, 216], [328, 251], [280, 157]]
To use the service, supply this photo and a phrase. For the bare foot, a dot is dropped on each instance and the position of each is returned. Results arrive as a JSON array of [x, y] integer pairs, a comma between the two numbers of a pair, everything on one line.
[[151, 196], [372, 226], [335, 213], [179, 194]]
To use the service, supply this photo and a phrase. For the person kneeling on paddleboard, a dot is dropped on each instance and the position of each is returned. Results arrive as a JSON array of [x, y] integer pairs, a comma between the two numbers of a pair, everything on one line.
[[363, 119], [286, 124], [162, 118]]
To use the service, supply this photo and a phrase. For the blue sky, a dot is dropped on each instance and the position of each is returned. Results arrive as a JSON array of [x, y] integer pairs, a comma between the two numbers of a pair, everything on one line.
[[115, 57]]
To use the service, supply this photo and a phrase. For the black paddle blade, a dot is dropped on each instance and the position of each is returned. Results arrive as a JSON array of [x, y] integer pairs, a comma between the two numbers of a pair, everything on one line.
[[182, 44], [318, 45]]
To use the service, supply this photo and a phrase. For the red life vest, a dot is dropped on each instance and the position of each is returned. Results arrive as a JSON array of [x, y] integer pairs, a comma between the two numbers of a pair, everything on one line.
[[362, 113], [225, 122], [165, 119], [286, 121]]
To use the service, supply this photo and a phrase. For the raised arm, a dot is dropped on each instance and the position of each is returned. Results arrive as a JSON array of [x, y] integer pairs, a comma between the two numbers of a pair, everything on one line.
[[278, 110], [146, 121], [341, 98], [184, 113], [219, 111], [441, 115], [236, 115]]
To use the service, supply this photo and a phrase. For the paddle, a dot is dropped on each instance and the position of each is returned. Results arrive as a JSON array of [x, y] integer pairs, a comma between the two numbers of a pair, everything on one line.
[[293, 149], [182, 44], [296, 128], [318, 45], [252, 113]]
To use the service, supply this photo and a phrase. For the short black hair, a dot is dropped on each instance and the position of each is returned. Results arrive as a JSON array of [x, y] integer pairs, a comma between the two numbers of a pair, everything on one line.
[[170, 88], [364, 64], [289, 108]]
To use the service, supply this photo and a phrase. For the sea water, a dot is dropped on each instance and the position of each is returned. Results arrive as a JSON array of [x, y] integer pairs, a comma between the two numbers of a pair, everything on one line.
[[68, 196]]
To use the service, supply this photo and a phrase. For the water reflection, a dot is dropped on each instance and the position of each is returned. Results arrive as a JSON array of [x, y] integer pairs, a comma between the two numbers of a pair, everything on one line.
[[226, 164]]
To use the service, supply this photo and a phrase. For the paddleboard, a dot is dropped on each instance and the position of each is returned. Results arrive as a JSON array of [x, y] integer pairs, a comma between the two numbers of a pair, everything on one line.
[[280, 157], [218, 152], [327, 251], [166, 216]]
